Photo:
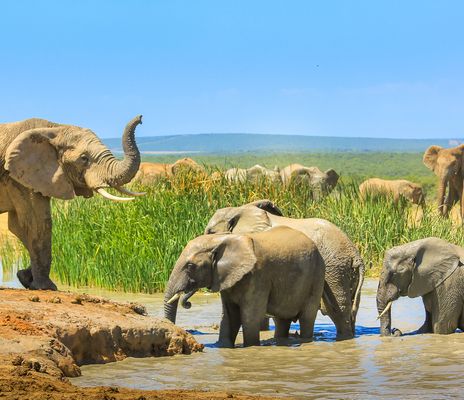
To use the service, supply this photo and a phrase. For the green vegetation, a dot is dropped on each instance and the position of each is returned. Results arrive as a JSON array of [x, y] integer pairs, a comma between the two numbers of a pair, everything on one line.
[[351, 166], [134, 246]]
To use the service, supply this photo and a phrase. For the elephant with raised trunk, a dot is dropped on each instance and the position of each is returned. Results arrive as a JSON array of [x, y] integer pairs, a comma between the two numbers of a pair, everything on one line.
[[344, 267], [431, 268], [448, 165], [279, 272], [40, 159]]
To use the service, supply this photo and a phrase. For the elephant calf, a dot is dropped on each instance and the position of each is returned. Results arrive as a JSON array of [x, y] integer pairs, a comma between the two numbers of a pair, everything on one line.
[[431, 268], [279, 272]]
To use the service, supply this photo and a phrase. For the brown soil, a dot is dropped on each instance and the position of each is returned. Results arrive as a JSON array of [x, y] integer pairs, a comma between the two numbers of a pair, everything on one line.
[[45, 336]]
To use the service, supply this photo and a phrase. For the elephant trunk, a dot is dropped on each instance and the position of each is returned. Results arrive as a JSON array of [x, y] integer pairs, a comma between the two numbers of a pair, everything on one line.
[[170, 305], [122, 172], [441, 196], [386, 294]]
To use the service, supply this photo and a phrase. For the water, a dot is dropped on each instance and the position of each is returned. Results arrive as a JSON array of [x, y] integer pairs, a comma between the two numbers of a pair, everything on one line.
[[425, 366], [417, 366]]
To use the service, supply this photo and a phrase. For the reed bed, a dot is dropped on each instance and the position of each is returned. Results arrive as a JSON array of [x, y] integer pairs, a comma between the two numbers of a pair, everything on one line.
[[133, 246]]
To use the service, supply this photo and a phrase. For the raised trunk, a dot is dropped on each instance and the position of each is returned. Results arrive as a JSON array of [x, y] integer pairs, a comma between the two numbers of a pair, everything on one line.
[[442, 209], [122, 172]]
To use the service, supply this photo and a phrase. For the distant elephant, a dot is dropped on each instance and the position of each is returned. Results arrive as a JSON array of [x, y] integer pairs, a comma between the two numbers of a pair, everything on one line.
[[310, 176], [41, 159], [447, 164], [252, 174], [431, 268], [344, 267], [396, 188], [149, 171], [279, 272]]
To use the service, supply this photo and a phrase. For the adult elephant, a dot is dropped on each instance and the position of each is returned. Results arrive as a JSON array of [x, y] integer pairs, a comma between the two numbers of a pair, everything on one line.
[[396, 188], [149, 171], [253, 174], [344, 267], [310, 176], [40, 159], [447, 164], [279, 272], [431, 268]]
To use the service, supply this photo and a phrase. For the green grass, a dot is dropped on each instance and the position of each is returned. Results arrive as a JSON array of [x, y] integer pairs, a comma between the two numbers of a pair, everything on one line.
[[133, 246]]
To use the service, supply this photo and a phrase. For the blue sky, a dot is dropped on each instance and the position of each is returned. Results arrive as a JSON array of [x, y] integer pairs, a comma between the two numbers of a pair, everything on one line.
[[332, 68]]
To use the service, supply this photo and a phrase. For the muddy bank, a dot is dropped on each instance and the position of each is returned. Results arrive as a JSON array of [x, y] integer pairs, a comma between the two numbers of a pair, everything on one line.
[[46, 336]]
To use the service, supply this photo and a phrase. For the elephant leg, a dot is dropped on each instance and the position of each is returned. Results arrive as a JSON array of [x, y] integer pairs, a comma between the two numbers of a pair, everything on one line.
[[230, 324], [282, 326], [264, 325], [445, 310], [308, 317], [337, 301], [427, 325], [251, 313], [31, 223]]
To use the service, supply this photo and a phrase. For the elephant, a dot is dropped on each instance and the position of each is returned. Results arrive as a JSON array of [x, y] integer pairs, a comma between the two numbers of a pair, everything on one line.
[[40, 159], [252, 174], [279, 272], [447, 164], [324, 182], [148, 171], [396, 188], [344, 266], [431, 268]]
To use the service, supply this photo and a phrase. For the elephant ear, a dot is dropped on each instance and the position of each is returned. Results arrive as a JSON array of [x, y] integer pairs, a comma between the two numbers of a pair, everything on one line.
[[233, 258], [32, 161], [267, 205], [435, 261], [247, 219], [332, 176], [430, 156]]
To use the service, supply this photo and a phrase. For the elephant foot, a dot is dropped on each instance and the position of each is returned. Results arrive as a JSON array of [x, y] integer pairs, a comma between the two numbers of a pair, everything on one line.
[[344, 336], [25, 277], [396, 332], [43, 284], [225, 344]]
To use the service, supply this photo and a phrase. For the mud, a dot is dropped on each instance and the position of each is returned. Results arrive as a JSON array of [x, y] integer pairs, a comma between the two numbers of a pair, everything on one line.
[[411, 367]]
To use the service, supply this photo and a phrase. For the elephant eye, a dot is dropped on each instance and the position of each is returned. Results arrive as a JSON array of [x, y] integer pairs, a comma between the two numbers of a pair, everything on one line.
[[190, 267]]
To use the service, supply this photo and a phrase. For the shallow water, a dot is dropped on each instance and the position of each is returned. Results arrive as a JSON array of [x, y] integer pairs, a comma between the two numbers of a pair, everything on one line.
[[417, 366]]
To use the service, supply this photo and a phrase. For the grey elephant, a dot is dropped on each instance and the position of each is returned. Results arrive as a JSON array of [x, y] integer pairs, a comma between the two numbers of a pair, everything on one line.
[[279, 272], [344, 267], [431, 268], [40, 159], [252, 174], [313, 177]]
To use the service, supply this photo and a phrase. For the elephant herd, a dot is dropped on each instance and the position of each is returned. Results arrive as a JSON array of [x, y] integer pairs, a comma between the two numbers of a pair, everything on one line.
[[262, 263]]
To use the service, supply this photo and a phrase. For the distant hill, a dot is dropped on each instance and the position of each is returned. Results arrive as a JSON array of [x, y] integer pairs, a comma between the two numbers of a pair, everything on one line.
[[220, 143]]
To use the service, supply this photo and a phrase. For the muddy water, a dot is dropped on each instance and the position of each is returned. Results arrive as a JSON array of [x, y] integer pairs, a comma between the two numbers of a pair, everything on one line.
[[416, 366]]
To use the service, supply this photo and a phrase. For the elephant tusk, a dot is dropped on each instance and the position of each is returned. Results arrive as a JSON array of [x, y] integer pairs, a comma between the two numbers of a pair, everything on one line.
[[122, 189], [110, 196], [385, 310], [174, 298]]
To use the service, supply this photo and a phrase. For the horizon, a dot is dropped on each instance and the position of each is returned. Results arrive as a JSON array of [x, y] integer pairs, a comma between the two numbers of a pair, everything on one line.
[[331, 69]]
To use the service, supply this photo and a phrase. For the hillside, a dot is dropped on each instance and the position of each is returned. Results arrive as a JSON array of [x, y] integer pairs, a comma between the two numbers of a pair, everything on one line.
[[239, 142]]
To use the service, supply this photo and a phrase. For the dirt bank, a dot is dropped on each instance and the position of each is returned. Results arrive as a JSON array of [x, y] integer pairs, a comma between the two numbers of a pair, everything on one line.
[[45, 337]]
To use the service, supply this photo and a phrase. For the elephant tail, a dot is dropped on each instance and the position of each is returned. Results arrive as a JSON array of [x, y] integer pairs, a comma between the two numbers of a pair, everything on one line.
[[358, 265]]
